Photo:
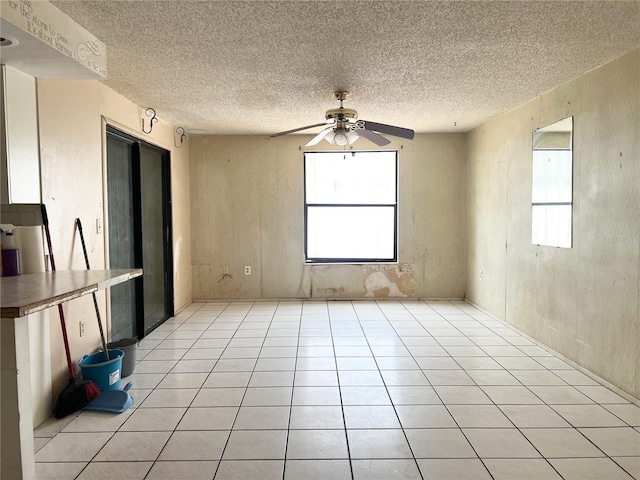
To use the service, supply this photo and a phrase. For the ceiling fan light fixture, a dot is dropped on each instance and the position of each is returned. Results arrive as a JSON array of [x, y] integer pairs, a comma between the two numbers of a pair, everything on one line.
[[340, 136]]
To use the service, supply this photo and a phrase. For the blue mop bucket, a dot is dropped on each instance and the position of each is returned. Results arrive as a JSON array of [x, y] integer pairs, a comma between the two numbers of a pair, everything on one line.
[[104, 373]]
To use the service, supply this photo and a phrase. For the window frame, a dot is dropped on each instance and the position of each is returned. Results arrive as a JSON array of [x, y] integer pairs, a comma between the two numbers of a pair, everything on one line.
[[350, 260]]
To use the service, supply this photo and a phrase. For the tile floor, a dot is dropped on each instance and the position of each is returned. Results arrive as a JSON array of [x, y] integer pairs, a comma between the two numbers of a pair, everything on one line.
[[347, 390]]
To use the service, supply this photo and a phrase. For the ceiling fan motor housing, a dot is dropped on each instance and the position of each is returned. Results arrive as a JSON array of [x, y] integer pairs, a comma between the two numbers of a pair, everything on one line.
[[341, 114]]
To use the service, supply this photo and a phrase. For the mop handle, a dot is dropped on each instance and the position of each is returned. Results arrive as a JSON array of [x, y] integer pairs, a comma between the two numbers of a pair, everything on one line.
[[45, 222], [93, 294]]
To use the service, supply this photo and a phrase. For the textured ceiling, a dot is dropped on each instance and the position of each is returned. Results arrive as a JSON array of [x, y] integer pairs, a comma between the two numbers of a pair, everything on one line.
[[258, 67]]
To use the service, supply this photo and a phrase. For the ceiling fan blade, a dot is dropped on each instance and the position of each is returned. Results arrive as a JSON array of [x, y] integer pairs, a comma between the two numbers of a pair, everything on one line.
[[389, 129], [299, 129], [373, 136], [315, 140]]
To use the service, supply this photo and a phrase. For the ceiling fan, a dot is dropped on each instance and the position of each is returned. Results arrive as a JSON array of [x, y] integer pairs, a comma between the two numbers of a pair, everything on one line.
[[343, 127]]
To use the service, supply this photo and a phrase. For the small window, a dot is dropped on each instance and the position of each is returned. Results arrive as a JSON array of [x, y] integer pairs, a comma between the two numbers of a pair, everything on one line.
[[552, 185], [351, 202]]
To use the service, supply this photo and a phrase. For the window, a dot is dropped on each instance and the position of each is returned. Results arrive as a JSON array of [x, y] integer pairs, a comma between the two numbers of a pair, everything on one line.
[[552, 186], [351, 207]]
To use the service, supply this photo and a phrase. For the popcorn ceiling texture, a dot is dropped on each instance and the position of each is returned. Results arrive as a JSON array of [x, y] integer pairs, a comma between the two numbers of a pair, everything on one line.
[[259, 67]]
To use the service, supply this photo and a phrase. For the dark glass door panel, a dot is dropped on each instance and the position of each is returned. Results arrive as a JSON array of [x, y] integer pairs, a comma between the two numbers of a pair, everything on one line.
[[153, 237], [121, 235]]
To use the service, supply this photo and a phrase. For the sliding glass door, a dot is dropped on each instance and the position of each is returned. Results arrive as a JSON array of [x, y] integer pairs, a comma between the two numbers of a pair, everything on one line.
[[139, 216]]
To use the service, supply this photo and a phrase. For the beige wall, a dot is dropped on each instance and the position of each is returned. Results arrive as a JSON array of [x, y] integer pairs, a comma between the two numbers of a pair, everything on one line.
[[71, 120], [247, 209], [584, 301]]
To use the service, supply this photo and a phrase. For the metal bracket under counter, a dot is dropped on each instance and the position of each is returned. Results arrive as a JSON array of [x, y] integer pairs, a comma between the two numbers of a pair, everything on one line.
[[20, 296]]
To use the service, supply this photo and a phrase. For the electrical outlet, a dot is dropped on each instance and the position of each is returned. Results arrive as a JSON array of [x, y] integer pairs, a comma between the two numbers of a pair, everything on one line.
[[481, 274], [225, 270], [82, 328], [98, 226], [247, 270]]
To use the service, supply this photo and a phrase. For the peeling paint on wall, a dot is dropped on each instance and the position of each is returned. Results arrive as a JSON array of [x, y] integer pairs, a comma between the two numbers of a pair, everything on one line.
[[389, 281]]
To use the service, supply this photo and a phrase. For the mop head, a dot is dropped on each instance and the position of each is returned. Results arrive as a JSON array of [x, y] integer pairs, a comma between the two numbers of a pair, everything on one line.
[[75, 396]]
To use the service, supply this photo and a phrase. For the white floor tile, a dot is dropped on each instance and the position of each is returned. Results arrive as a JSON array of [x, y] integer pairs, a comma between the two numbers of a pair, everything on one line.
[[449, 377], [621, 441], [255, 382], [272, 379], [574, 377], [219, 397], [400, 469], [378, 444], [73, 447], [316, 378], [153, 419], [275, 364], [262, 418], [267, 396], [396, 363], [520, 469], [530, 416], [355, 378], [208, 418], [500, 443], [453, 469], [588, 416], [316, 417], [317, 470], [133, 446], [169, 397], [601, 394], [370, 395], [183, 380], [439, 443], [195, 445], [58, 471], [227, 379], [425, 416], [194, 366], [630, 464], [113, 470], [511, 395], [181, 470], [479, 416], [538, 377], [494, 376], [250, 470], [560, 395], [378, 416], [628, 413], [316, 396], [235, 365], [589, 469], [91, 421], [256, 444], [155, 366], [561, 443], [317, 444], [462, 395]]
